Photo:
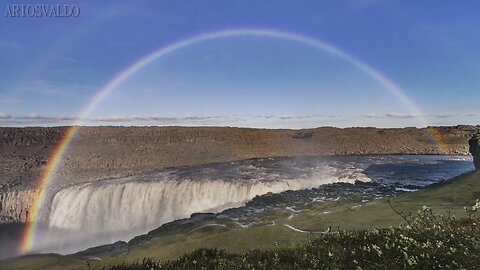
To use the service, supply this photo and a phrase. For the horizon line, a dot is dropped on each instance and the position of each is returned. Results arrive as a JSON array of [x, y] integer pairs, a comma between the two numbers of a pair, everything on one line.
[[231, 126]]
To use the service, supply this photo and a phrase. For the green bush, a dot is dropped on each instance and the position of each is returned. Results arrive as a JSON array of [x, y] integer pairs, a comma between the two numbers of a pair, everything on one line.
[[425, 241]]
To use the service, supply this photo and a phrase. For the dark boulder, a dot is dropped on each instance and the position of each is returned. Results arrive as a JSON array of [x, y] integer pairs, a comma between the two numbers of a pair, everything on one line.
[[474, 149], [303, 135]]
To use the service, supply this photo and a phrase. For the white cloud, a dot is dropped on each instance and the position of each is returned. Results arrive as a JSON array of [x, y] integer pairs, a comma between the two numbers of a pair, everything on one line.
[[409, 116], [445, 115], [211, 119], [296, 117], [35, 116], [371, 116], [154, 118], [247, 120], [5, 116], [400, 115]]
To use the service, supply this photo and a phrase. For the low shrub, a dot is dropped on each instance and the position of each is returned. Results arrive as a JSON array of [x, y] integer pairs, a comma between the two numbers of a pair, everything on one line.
[[424, 241]]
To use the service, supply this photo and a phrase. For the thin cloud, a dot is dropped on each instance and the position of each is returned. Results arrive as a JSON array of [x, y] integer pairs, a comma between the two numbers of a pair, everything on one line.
[[123, 118], [409, 116], [35, 116], [4, 116], [282, 117], [371, 116], [155, 118], [38, 118], [296, 117], [398, 115]]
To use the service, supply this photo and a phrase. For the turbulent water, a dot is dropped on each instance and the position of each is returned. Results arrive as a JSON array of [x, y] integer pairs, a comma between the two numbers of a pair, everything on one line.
[[110, 210]]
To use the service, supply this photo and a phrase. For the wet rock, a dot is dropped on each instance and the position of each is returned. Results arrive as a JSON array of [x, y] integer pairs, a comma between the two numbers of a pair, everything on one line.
[[474, 149], [140, 239]]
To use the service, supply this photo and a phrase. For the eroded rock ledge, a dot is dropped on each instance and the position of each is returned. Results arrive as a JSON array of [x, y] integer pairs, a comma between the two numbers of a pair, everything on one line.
[[108, 152]]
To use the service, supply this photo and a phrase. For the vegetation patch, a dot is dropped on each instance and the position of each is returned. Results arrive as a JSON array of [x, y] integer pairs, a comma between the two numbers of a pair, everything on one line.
[[425, 240]]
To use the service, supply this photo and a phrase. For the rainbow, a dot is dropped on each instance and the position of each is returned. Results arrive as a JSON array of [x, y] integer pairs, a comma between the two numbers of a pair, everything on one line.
[[53, 165]]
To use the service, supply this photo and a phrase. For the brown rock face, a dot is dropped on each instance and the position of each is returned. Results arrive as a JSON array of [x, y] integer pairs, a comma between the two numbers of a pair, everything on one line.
[[109, 152], [474, 149], [14, 205]]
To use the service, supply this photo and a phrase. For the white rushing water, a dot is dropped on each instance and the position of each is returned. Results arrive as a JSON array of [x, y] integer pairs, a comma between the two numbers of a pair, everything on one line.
[[101, 212], [127, 205]]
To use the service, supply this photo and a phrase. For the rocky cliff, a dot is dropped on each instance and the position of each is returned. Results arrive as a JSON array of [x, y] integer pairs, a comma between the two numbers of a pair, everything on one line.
[[14, 205], [474, 149], [109, 152]]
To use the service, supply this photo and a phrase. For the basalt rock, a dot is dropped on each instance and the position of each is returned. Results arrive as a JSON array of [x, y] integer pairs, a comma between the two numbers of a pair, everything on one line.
[[113, 152], [474, 149], [14, 205]]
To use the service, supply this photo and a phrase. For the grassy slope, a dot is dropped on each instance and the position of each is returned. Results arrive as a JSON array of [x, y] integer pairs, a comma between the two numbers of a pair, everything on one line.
[[449, 196]]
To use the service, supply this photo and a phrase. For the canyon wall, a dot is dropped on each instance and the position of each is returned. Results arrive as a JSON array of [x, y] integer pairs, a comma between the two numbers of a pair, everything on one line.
[[113, 152], [14, 205]]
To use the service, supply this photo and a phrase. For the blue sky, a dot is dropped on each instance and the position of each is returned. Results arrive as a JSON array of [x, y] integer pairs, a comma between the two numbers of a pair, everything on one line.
[[51, 67]]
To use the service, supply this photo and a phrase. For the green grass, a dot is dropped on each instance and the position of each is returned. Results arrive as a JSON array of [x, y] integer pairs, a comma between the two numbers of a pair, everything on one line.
[[427, 241], [44, 261], [449, 197], [445, 197]]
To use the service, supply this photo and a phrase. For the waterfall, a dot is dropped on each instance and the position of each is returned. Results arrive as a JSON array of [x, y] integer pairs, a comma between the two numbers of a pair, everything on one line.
[[119, 209], [106, 211]]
